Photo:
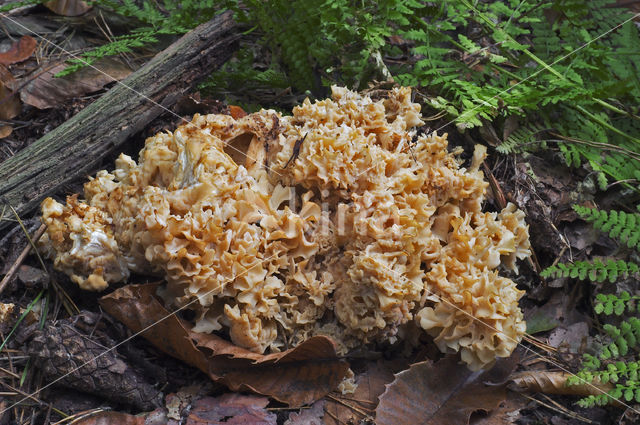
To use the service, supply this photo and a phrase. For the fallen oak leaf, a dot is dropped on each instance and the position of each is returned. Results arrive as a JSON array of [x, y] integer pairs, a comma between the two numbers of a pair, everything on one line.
[[507, 412], [47, 90], [10, 104], [370, 385], [297, 376], [19, 51], [442, 393], [555, 382]]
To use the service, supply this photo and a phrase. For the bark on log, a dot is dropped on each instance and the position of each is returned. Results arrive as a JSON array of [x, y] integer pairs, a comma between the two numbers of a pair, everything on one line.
[[74, 148]]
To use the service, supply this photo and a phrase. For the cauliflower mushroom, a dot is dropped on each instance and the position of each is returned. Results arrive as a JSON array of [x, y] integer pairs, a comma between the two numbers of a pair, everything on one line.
[[339, 220]]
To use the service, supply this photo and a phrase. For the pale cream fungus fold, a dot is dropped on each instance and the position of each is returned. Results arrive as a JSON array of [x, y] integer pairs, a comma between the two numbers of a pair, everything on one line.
[[338, 220]]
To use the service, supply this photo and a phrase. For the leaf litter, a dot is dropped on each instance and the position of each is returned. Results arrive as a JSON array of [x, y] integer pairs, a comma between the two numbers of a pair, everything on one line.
[[443, 393], [46, 90], [297, 376], [10, 104], [20, 51]]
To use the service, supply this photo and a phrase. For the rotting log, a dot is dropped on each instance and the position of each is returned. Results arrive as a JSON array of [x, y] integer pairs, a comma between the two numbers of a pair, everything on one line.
[[75, 148]]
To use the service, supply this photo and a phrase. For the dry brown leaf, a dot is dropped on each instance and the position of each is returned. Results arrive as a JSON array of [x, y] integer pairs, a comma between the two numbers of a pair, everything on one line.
[[231, 409], [68, 7], [542, 381], [442, 393], [506, 413], [236, 112], [10, 104], [5, 131], [48, 91], [371, 384], [572, 338], [511, 124], [227, 409], [297, 376], [19, 51], [311, 416], [112, 418]]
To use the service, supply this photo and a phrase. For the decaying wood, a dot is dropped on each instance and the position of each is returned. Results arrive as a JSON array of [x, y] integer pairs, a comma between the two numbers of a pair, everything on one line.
[[75, 148]]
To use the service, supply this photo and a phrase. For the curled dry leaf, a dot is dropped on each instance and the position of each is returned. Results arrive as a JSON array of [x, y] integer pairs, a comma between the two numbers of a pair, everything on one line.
[[236, 112], [68, 7], [507, 412], [297, 376], [10, 104], [48, 91], [20, 50], [5, 131], [231, 409], [542, 381], [442, 393]]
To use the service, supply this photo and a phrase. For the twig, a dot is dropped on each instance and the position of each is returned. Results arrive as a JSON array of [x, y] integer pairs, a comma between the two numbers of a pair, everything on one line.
[[334, 416], [562, 251], [360, 401], [561, 409], [8, 372], [535, 341], [80, 415], [296, 150], [350, 406], [23, 255], [287, 408], [37, 400], [34, 398], [599, 145], [495, 186]]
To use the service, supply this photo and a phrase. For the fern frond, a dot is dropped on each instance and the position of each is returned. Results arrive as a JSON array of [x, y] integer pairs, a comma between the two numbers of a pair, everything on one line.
[[523, 138], [609, 304], [173, 18], [619, 225], [596, 270]]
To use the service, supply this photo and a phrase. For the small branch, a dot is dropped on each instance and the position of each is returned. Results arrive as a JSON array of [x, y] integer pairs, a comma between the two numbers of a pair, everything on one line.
[[23, 255]]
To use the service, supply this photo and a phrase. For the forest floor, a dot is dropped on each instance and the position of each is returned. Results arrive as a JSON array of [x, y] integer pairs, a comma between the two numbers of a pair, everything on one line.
[[136, 383]]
